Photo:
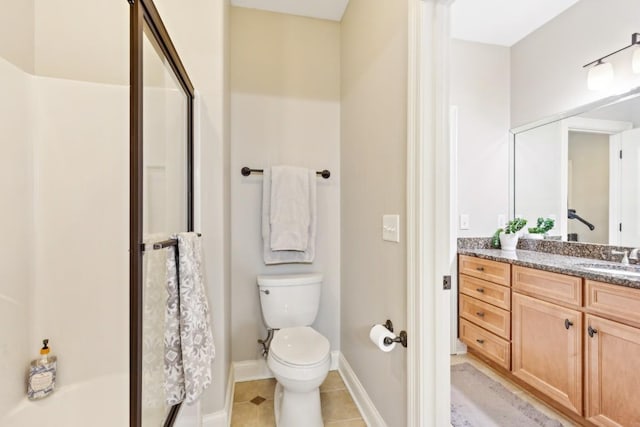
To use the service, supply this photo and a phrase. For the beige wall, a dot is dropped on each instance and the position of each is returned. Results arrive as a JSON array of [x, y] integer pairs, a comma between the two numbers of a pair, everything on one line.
[[16, 33], [200, 34], [480, 88], [373, 161], [589, 176], [285, 109], [82, 40]]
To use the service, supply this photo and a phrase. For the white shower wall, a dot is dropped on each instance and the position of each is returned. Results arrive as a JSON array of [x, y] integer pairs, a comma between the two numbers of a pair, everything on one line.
[[65, 249], [16, 187]]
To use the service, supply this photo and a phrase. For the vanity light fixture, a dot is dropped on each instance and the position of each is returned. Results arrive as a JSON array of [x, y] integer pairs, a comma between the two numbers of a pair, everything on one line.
[[600, 76], [601, 73]]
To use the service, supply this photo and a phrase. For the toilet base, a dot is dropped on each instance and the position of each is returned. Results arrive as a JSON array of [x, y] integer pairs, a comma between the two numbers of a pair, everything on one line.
[[293, 409]]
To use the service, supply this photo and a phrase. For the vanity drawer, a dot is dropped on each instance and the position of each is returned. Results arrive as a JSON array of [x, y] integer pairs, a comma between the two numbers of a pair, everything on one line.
[[554, 287], [493, 271], [486, 343], [500, 296], [491, 318], [615, 302]]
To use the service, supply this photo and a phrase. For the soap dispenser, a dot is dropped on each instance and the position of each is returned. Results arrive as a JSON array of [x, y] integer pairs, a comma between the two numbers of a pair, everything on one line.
[[42, 374]]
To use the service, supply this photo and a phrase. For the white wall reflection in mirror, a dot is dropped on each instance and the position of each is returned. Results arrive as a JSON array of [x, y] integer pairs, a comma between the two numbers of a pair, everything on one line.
[[583, 170]]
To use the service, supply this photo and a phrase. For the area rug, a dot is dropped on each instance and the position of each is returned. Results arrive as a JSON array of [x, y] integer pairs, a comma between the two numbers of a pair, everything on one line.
[[479, 401]]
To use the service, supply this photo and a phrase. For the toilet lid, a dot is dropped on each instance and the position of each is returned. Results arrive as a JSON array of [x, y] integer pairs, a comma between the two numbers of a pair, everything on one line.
[[299, 346]]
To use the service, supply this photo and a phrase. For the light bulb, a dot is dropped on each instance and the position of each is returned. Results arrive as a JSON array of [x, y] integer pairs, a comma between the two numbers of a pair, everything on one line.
[[635, 60], [600, 76]]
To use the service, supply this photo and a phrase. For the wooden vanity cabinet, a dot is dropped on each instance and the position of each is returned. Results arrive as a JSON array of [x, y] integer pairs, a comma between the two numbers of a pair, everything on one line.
[[547, 334], [612, 359], [547, 349], [612, 355], [484, 308]]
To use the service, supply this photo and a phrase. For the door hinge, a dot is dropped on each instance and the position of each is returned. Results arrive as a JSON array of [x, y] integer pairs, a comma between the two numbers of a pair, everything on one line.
[[620, 226], [620, 153], [446, 283]]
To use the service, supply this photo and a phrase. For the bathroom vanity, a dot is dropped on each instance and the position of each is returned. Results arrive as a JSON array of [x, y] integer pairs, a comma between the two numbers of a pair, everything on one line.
[[565, 328]]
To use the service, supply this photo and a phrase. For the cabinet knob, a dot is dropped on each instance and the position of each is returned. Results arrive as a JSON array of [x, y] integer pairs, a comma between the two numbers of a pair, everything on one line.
[[481, 290], [567, 323], [479, 314], [480, 341], [591, 331], [480, 268]]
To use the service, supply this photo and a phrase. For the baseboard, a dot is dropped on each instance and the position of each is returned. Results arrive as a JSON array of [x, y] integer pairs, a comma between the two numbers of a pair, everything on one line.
[[368, 410], [217, 419], [251, 370], [222, 418]]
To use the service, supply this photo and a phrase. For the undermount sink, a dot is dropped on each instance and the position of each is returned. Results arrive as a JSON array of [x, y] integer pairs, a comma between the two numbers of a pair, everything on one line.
[[616, 270]]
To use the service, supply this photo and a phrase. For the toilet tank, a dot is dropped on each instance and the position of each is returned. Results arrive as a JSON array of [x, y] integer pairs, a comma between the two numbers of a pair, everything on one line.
[[289, 300]]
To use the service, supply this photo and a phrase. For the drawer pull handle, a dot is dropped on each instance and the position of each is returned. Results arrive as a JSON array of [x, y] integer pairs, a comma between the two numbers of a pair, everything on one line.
[[480, 268], [481, 290], [480, 341], [567, 323], [479, 314], [591, 331]]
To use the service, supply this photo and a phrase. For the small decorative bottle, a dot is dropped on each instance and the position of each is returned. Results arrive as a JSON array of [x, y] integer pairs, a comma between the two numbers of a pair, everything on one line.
[[42, 374]]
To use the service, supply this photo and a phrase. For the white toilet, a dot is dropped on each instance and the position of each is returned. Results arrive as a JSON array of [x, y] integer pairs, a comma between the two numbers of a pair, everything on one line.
[[299, 357]]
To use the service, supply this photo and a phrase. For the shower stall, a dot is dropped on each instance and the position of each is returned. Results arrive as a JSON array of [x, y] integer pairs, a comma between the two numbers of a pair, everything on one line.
[[86, 121]]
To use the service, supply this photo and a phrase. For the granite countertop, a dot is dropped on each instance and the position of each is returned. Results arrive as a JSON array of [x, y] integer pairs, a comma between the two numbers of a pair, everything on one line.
[[564, 264]]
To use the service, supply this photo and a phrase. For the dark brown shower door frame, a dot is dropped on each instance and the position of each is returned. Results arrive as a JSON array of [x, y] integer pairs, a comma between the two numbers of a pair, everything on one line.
[[144, 12]]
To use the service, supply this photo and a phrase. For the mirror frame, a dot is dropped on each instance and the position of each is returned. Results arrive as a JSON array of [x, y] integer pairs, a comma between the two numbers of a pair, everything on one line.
[[144, 12], [613, 99]]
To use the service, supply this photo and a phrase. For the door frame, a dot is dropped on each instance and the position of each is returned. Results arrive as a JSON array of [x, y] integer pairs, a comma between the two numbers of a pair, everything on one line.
[[429, 251]]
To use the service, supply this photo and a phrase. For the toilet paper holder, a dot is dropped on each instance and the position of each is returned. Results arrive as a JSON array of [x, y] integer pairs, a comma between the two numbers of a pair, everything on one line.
[[401, 338]]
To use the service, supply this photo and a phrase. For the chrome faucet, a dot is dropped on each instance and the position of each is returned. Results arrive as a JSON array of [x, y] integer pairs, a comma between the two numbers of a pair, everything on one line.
[[625, 258], [634, 255]]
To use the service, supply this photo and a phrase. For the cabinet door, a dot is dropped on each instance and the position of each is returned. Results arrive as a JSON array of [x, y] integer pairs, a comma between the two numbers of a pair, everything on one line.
[[612, 375], [547, 349]]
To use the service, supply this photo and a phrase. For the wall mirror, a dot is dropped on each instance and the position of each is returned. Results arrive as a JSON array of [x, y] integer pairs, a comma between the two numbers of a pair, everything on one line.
[[582, 168]]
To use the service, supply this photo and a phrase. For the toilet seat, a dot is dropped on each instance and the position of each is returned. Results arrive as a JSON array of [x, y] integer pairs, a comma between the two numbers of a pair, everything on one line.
[[299, 347]]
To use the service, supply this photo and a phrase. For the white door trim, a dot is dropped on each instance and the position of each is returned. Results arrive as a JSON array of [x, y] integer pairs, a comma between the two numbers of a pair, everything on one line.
[[428, 214]]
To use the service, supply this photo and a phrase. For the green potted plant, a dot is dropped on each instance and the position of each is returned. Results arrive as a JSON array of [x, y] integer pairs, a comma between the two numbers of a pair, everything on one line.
[[541, 229], [507, 238]]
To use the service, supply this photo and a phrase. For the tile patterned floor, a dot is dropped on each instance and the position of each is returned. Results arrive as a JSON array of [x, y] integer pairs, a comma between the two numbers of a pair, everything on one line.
[[253, 404], [524, 395]]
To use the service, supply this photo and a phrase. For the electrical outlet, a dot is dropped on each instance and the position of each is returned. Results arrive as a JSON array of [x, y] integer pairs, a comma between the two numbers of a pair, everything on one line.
[[464, 221]]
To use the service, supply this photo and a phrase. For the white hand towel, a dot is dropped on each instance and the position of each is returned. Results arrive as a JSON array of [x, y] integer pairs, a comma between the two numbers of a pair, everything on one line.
[[283, 257], [196, 349], [290, 208]]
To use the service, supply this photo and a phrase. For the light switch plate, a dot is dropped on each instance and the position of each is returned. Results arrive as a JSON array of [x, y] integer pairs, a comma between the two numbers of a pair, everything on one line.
[[391, 228]]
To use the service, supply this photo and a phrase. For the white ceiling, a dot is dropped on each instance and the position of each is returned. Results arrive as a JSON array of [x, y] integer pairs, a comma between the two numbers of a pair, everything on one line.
[[502, 22], [499, 22], [322, 9]]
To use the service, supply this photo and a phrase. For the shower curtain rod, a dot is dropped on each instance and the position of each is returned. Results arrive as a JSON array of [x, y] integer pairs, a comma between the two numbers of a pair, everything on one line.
[[246, 171], [163, 244]]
